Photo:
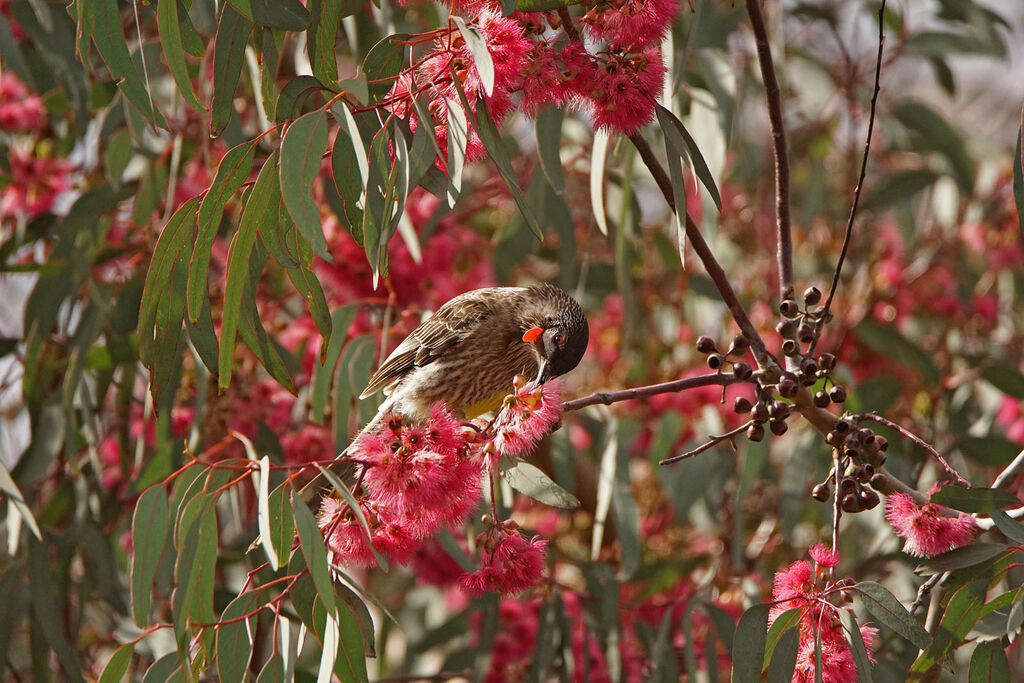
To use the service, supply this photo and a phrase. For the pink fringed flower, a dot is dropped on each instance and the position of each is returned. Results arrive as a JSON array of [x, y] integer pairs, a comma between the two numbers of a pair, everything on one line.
[[927, 529], [417, 479], [801, 586], [514, 564], [631, 24], [622, 97], [20, 109], [35, 183], [526, 417]]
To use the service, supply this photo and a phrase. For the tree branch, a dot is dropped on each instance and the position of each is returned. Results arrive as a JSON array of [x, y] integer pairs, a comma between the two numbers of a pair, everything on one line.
[[609, 397], [779, 151], [711, 443], [711, 265], [860, 179], [874, 417]]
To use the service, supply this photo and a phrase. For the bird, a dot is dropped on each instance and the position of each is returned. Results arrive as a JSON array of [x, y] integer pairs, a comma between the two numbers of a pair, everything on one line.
[[469, 351]]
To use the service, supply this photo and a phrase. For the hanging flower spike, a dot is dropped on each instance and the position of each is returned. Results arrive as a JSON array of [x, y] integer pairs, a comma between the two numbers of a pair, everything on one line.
[[526, 416], [927, 529]]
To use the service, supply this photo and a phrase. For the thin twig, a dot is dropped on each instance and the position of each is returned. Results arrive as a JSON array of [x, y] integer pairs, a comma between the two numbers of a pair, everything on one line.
[[779, 152], [609, 397], [712, 442], [875, 417], [925, 590], [1011, 471], [860, 179], [837, 510], [567, 25], [711, 265]]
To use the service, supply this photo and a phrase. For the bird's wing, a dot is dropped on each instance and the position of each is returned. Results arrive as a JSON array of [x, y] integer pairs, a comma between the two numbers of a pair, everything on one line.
[[452, 323]]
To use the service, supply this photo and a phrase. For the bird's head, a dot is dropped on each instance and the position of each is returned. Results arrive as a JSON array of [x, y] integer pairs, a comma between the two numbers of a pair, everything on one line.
[[560, 337]]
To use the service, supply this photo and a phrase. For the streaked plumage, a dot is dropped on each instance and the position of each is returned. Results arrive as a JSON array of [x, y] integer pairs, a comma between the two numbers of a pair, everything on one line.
[[467, 353]]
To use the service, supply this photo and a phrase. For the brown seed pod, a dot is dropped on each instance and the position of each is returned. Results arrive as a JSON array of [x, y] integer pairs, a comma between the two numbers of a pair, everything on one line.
[[821, 399], [742, 371], [742, 404], [837, 394], [778, 427], [789, 308], [826, 362], [706, 345], [759, 413], [820, 492], [812, 295], [755, 432]]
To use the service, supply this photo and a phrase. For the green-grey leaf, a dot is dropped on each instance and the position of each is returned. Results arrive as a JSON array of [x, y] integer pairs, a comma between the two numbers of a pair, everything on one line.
[[169, 24], [531, 481], [974, 499], [302, 147], [233, 31], [749, 644], [150, 524], [887, 610]]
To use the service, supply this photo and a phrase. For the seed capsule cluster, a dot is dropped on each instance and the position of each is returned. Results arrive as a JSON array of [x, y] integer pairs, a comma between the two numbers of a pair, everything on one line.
[[861, 453], [798, 329]]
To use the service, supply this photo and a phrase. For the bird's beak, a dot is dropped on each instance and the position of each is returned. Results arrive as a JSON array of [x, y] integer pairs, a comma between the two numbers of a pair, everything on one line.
[[542, 373]]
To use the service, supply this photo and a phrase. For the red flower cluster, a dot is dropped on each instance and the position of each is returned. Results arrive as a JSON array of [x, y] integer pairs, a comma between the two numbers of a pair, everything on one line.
[[927, 529], [34, 183], [510, 563], [802, 587], [416, 481], [20, 109], [618, 85], [526, 416]]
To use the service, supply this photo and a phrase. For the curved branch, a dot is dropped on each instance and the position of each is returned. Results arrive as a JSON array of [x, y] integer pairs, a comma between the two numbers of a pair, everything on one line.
[[608, 397], [711, 265], [860, 179], [711, 443], [779, 152], [907, 434]]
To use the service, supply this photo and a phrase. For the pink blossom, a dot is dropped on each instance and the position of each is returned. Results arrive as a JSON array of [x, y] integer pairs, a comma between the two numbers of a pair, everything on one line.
[[799, 586], [927, 529], [514, 564], [622, 98], [34, 184], [20, 109], [526, 417], [631, 24], [824, 556]]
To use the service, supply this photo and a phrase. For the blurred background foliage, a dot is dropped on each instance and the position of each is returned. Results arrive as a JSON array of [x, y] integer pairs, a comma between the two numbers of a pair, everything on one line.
[[118, 115]]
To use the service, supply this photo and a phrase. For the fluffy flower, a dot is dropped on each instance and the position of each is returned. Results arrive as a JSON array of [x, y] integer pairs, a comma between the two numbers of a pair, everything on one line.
[[20, 109], [623, 94], [526, 416], [801, 586], [927, 529], [34, 184], [631, 23], [514, 565]]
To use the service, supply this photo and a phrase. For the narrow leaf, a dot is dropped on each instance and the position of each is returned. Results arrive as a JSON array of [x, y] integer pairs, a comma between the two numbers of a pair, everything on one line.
[[531, 481], [233, 170], [323, 33], [357, 509], [150, 524], [169, 24], [281, 522], [682, 144], [887, 610], [302, 147], [548, 128], [1013, 529], [113, 48], [13, 494], [477, 45], [233, 31], [860, 652], [117, 665], [989, 664], [238, 263], [958, 558], [1018, 174], [749, 644], [598, 158], [975, 499], [312, 544]]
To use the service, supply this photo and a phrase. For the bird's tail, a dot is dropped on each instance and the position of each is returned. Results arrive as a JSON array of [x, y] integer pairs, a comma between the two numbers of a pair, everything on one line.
[[307, 492]]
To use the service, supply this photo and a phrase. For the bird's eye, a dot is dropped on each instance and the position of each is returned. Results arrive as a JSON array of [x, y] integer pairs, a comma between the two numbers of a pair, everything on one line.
[[559, 339]]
